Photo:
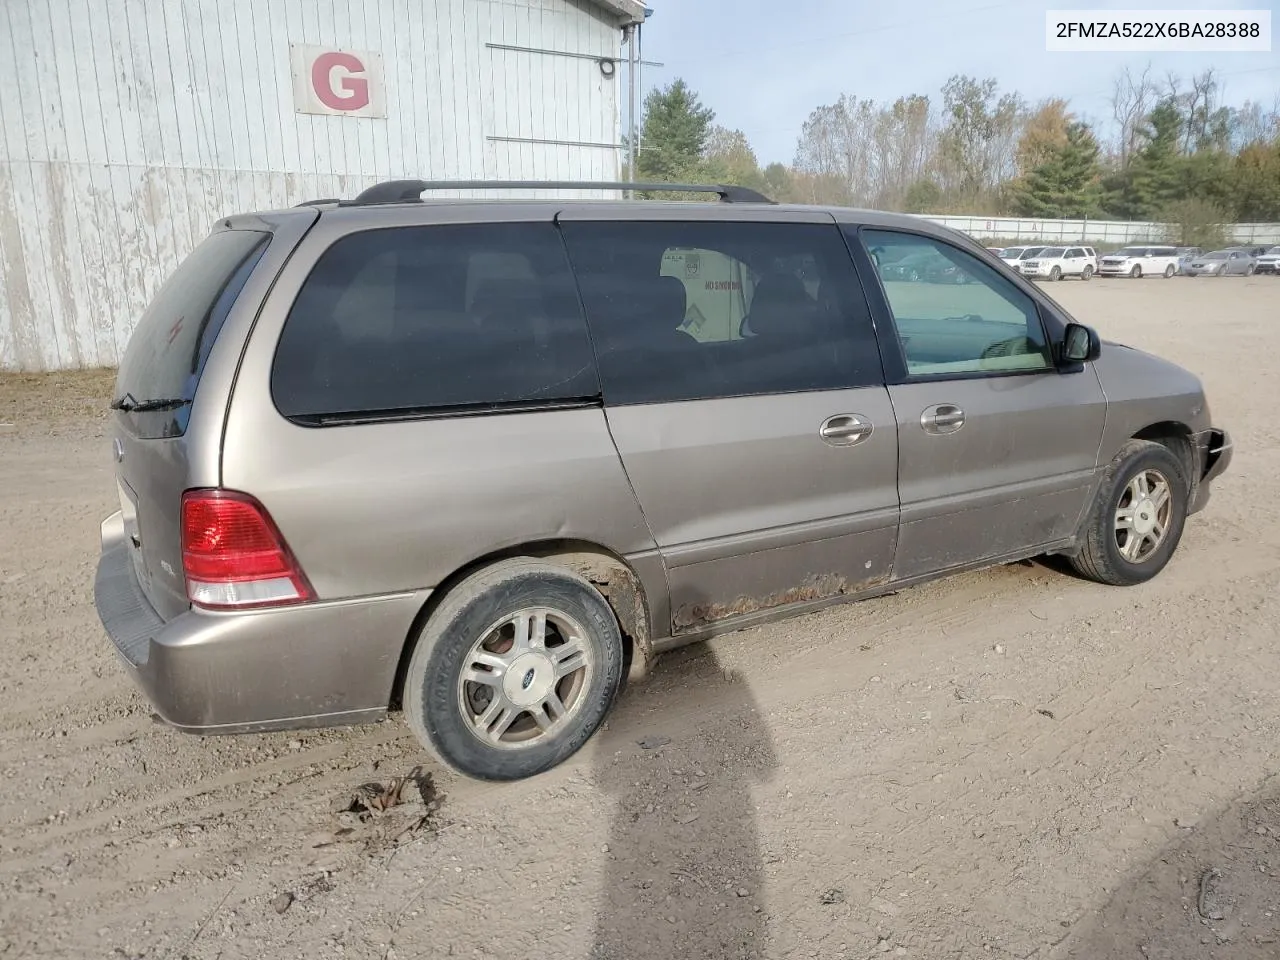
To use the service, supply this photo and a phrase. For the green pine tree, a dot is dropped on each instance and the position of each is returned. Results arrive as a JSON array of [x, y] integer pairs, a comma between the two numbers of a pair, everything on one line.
[[1066, 182], [1154, 177], [674, 136]]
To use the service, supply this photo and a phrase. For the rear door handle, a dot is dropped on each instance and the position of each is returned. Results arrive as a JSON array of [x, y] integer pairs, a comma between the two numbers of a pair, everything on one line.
[[845, 429], [942, 418]]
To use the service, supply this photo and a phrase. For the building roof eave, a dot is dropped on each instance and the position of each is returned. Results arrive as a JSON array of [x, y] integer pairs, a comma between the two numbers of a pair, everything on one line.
[[625, 11]]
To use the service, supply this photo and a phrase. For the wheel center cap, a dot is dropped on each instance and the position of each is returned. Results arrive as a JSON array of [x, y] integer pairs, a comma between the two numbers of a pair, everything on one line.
[[529, 679], [1144, 517]]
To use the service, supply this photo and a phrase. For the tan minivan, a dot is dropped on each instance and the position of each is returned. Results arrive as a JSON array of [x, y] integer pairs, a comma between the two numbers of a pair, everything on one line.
[[481, 460]]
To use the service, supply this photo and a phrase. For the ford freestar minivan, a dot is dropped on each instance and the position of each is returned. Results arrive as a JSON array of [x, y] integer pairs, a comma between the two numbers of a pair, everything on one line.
[[481, 460]]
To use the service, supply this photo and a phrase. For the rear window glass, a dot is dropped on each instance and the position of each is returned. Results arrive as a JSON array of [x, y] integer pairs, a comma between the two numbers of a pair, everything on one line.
[[168, 349], [450, 318]]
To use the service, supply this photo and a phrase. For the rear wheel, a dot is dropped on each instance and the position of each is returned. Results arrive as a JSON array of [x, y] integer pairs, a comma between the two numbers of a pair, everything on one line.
[[514, 671], [1136, 272], [1086, 273], [1169, 271], [1138, 517]]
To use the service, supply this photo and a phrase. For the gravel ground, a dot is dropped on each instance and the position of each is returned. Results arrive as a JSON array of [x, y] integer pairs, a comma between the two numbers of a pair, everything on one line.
[[1013, 763]]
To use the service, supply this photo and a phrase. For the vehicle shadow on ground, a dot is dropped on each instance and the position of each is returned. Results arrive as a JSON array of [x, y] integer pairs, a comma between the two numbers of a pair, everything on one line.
[[683, 868], [1211, 894]]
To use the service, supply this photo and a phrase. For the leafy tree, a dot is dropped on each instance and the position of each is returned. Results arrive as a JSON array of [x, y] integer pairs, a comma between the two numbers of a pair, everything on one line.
[[1066, 183], [977, 146], [1255, 183], [1044, 133], [675, 133], [779, 183], [1196, 222], [923, 196], [728, 158]]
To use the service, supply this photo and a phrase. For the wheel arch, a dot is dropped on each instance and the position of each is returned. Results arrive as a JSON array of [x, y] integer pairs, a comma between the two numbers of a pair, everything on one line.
[[616, 579], [1177, 437]]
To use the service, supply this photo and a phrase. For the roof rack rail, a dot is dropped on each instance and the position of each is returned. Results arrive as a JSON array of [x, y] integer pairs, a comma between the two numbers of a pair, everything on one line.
[[315, 203], [406, 191]]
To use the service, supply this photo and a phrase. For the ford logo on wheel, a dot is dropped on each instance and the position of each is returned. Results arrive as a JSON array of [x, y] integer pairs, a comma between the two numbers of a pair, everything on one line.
[[528, 679]]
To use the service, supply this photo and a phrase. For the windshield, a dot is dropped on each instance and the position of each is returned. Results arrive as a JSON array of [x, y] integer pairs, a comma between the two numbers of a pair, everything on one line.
[[1012, 252], [1217, 255], [1029, 252], [1273, 251], [1053, 251], [1131, 252]]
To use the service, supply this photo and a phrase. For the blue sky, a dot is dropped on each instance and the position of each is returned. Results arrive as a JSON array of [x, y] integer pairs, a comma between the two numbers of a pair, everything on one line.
[[764, 66]]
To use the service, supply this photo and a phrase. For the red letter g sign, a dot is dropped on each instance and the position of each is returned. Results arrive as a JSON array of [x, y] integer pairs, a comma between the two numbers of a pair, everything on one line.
[[355, 90]]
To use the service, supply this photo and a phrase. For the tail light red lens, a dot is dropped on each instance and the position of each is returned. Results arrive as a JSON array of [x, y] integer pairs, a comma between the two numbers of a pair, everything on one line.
[[233, 556]]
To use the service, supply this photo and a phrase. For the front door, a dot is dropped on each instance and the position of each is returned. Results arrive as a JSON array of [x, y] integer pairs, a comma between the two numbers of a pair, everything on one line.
[[997, 448], [744, 389]]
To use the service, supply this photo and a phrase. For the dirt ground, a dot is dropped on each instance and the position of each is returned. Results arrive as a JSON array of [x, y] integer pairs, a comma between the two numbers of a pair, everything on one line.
[[1013, 763]]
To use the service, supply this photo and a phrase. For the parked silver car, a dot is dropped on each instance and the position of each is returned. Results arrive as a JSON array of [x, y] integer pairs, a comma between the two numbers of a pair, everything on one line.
[[481, 461], [1186, 255], [1221, 263]]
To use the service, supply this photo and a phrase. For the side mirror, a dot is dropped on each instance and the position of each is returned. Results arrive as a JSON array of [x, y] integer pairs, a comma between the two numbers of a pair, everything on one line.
[[1081, 344]]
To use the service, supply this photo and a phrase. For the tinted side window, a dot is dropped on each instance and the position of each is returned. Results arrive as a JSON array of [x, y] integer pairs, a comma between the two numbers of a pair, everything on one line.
[[688, 311], [466, 316], [964, 318]]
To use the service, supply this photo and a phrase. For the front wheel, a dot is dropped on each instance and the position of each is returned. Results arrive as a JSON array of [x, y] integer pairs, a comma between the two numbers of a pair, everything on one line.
[[1169, 271], [1138, 517], [1055, 274], [1136, 273], [1087, 273], [514, 671], [1248, 271]]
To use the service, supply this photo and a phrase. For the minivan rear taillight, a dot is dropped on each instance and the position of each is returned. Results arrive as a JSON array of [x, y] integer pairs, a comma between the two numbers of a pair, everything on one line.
[[234, 557]]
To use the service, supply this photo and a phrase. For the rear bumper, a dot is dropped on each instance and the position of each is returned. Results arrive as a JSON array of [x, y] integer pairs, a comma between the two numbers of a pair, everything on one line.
[[1213, 451], [315, 664]]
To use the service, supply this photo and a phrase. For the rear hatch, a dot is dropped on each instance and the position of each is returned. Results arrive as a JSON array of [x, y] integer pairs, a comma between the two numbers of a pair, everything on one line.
[[154, 391]]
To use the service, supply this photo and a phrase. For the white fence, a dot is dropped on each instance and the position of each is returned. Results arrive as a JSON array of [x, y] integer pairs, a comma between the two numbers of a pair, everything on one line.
[[1102, 231]]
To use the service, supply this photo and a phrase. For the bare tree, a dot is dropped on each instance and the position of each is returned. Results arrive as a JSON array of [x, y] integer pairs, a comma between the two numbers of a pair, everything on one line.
[[1254, 123], [1132, 97]]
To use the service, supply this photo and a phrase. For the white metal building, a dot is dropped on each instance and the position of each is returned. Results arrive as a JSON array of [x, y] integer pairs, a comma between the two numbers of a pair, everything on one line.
[[127, 127]]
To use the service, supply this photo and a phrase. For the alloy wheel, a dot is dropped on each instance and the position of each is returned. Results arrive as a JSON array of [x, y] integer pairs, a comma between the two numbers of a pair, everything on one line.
[[1143, 514], [524, 680]]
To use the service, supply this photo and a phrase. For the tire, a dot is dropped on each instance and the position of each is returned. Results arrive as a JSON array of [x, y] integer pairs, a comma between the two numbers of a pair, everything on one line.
[[1102, 557], [444, 710], [1055, 274], [1087, 272], [1248, 271], [1169, 271], [1135, 273]]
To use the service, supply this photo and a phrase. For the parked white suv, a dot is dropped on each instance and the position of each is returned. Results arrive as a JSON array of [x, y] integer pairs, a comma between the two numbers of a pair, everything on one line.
[[1014, 255], [1268, 262], [1139, 262], [1054, 263]]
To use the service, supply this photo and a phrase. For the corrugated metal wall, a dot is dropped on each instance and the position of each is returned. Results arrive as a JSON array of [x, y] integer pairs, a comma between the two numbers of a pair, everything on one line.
[[128, 127]]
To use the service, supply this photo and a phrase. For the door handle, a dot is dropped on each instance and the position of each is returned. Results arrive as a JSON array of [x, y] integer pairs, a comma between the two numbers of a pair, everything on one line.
[[942, 418], [845, 429]]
